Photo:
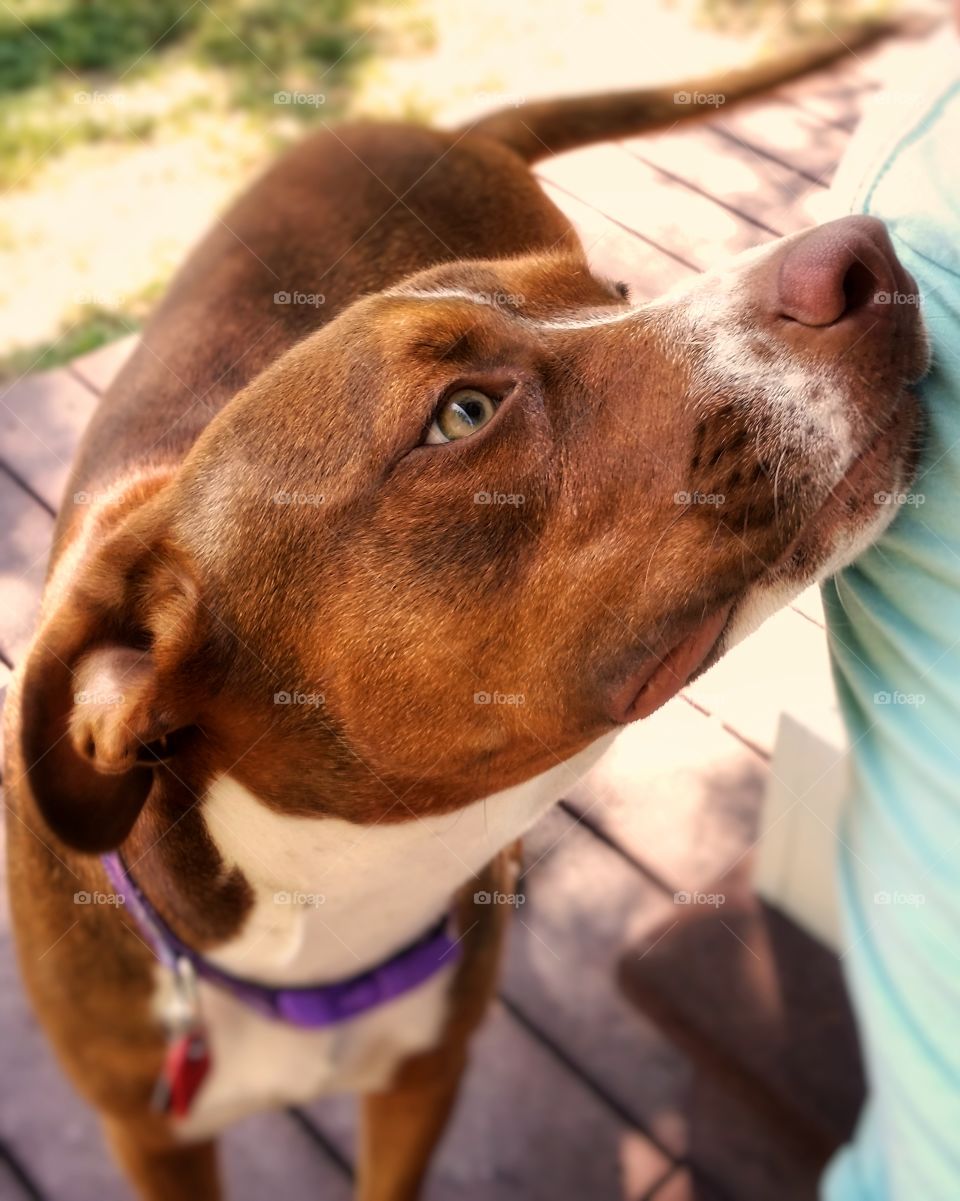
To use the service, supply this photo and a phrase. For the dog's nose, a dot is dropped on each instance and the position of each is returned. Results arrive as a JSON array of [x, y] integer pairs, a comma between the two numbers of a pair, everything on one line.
[[838, 270]]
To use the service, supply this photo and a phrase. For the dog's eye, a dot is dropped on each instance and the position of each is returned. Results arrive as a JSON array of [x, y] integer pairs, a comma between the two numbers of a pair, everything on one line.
[[463, 413]]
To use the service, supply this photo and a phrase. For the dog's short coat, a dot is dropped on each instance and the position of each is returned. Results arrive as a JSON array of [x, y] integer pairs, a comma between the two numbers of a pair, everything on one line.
[[291, 501]]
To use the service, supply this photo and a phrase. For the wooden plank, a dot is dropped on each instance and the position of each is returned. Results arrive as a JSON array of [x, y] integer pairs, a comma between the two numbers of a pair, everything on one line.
[[743, 988], [740, 1148], [16, 1181], [786, 662], [683, 1185], [270, 1155], [24, 548], [785, 133], [98, 369], [586, 906], [525, 1127], [734, 175], [679, 794], [41, 420], [641, 198], [834, 95], [618, 253]]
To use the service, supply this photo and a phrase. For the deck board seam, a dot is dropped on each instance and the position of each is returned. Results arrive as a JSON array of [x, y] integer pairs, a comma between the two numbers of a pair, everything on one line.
[[636, 233], [320, 1139], [27, 487], [762, 152], [844, 125], [650, 874], [699, 191], [15, 1167], [586, 1079], [82, 379], [622, 1111]]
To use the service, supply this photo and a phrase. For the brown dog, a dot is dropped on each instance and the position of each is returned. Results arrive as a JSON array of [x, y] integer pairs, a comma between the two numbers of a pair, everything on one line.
[[366, 582]]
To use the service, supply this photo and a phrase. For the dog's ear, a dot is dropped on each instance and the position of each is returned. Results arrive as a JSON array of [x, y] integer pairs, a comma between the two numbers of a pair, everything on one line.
[[104, 693]]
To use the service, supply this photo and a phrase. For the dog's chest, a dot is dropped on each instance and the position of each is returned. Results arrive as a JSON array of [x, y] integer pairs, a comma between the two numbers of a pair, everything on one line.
[[260, 1064], [331, 900]]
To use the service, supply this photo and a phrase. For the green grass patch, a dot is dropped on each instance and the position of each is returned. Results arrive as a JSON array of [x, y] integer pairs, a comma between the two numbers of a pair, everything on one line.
[[96, 329], [67, 69]]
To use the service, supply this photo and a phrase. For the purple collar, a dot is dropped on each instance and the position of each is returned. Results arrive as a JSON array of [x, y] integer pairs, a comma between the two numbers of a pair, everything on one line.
[[310, 1006]]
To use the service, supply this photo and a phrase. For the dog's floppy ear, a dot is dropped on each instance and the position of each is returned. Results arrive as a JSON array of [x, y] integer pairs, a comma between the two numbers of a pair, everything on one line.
[[103, 694]]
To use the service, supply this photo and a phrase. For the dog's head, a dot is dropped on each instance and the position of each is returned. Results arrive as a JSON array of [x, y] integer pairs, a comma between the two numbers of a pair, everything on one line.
[[479, 520]]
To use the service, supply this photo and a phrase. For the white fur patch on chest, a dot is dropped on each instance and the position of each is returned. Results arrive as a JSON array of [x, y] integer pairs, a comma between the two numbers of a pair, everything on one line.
[[260, 1064], [331, 900]]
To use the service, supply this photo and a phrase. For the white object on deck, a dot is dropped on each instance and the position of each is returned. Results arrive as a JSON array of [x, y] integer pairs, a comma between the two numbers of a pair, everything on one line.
[[797, 852]]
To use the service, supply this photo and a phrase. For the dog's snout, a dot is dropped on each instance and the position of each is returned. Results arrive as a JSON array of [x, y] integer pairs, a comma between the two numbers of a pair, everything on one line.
[[839, 270]]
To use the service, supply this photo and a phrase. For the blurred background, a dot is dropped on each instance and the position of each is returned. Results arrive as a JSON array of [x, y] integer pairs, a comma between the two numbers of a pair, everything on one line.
[[125, 125]]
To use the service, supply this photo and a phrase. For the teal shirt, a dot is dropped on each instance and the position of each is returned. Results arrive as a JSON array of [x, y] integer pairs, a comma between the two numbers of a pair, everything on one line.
[[894, 629]]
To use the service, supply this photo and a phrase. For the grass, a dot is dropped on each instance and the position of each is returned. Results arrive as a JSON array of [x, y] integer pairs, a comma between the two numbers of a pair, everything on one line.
[[41, 40], [65, 68], [87, 84], [97, 328]]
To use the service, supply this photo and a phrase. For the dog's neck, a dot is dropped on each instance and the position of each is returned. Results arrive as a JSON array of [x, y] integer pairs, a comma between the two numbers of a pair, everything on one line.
[[332, 899]]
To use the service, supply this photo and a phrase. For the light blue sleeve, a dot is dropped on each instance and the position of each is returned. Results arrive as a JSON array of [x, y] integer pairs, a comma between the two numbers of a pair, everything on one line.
[[894, 629]]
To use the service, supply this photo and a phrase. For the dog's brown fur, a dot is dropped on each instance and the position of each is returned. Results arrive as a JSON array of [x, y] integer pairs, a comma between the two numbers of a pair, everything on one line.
[[195, 599]]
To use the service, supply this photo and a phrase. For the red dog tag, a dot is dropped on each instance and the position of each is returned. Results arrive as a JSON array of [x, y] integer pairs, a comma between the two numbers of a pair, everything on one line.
[[184, 1070]]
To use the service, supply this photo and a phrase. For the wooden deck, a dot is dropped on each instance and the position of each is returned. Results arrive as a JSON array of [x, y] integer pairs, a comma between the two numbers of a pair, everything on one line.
[[572, 1093]]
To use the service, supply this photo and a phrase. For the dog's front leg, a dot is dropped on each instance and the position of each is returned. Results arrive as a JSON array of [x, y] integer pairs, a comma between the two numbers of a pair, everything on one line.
[[167, 1171], [401, 1126], [399, 1129]]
